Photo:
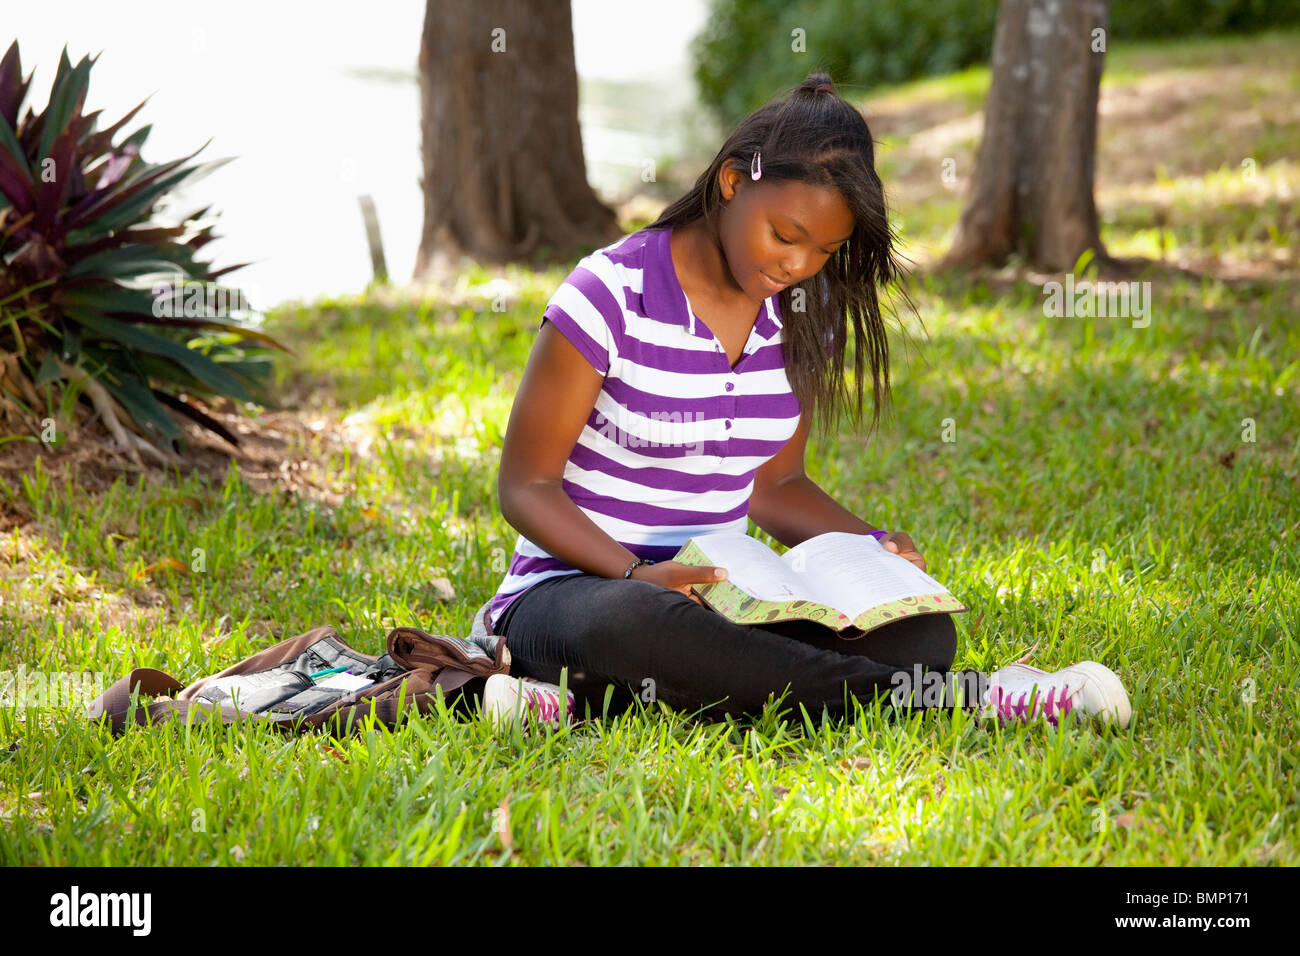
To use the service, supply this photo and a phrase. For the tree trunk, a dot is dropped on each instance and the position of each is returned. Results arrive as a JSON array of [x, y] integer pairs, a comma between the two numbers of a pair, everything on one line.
[[1032, 191], [504, 177]]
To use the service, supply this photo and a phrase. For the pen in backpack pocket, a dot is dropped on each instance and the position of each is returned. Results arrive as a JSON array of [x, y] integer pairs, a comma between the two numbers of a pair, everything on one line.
[[332, 670]]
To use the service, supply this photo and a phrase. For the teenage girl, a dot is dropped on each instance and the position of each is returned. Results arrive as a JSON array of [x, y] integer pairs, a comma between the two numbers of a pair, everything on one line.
[[670, 393]]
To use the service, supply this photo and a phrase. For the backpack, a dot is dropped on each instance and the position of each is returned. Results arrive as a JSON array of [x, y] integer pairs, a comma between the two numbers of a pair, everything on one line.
[[281, 685]]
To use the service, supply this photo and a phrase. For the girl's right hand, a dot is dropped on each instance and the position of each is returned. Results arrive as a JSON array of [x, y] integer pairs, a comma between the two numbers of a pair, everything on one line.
[[679, 577]]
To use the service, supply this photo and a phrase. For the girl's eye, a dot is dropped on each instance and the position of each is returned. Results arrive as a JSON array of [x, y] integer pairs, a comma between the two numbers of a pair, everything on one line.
[[790, 242]]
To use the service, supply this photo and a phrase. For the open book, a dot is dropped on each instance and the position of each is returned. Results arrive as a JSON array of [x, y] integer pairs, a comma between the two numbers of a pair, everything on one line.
[[844, 581]]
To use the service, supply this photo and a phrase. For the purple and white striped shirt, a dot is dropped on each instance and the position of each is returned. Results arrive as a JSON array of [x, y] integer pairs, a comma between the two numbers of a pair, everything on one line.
[[671, 446]]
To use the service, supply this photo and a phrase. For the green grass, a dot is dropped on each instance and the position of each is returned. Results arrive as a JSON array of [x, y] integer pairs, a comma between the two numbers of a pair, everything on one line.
[[1208, 162], [1096, 500]]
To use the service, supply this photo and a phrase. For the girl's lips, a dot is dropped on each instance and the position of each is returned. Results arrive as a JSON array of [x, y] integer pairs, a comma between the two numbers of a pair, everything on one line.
[[772, 283]]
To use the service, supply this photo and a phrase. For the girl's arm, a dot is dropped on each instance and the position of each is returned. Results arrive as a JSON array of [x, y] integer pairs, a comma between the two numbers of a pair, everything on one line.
[[789, 505], [556, 395]]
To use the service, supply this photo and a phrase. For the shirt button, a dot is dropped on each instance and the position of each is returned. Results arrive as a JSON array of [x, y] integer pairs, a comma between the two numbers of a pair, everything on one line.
[[730, 386], [728, 423]]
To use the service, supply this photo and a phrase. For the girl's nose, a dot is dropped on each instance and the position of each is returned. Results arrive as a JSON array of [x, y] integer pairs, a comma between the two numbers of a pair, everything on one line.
[[795, 267]]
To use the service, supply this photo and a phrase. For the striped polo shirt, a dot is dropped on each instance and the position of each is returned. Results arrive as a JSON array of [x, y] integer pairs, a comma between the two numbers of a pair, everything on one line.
[[671, 446]]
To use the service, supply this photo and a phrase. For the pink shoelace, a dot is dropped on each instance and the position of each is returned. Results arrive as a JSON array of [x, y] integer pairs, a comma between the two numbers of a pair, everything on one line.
[[544, 704], [1017, 708]]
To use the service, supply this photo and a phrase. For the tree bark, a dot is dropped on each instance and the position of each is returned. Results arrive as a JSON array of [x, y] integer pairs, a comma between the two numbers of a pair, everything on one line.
[[504, 177], [1032, 190]]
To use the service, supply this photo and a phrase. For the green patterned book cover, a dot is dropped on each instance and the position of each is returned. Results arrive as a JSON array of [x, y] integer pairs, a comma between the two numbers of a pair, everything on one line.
[[844, 581]]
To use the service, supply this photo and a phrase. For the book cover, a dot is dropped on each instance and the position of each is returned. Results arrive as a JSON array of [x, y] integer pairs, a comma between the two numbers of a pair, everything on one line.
[[846, 582]]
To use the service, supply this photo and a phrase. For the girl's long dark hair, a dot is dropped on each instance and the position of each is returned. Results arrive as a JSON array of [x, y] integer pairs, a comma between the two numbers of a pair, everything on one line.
[[819, 138]]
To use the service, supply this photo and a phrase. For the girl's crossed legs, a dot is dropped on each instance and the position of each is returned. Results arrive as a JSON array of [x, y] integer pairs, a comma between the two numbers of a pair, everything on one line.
[[657, 643]]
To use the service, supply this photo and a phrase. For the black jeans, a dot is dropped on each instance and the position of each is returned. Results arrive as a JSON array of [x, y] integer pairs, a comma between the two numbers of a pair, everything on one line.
[[654, 643]]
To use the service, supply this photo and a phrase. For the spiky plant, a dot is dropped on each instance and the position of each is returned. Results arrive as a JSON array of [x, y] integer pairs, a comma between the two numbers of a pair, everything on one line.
[[99, 298]]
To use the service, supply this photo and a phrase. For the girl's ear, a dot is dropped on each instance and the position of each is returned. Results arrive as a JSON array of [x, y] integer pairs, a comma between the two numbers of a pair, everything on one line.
[[729, 179]]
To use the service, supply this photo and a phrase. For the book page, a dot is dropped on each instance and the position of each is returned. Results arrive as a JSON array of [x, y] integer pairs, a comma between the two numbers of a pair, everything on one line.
[[753, 567], [853, 572], [740, 606]]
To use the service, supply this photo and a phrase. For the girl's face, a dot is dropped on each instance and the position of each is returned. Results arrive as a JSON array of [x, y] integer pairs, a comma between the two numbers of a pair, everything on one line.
[[780, 233]]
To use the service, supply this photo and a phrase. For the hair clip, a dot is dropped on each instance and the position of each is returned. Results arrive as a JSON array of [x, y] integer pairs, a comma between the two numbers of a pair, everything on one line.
[[756, 167]]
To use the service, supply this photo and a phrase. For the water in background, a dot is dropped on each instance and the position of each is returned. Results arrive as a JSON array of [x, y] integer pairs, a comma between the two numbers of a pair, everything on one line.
[[319, 103]]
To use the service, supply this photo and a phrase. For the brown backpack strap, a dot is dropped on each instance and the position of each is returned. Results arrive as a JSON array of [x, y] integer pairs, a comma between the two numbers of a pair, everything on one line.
[[115, 700], [415, 648], [115, 703]]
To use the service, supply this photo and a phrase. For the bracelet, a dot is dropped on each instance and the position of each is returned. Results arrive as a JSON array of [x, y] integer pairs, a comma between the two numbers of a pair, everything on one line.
[[878, 534], [636, 563]]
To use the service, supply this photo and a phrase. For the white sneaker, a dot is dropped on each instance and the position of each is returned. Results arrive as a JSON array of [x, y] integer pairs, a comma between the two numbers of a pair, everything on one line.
[[507, 700], [1021, 693]]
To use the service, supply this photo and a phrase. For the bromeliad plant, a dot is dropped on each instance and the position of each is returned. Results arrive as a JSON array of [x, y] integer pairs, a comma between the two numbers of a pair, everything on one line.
[[98, 298]]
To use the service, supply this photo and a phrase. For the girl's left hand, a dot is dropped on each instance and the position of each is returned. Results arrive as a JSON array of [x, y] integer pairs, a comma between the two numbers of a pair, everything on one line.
[[900, 543]]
